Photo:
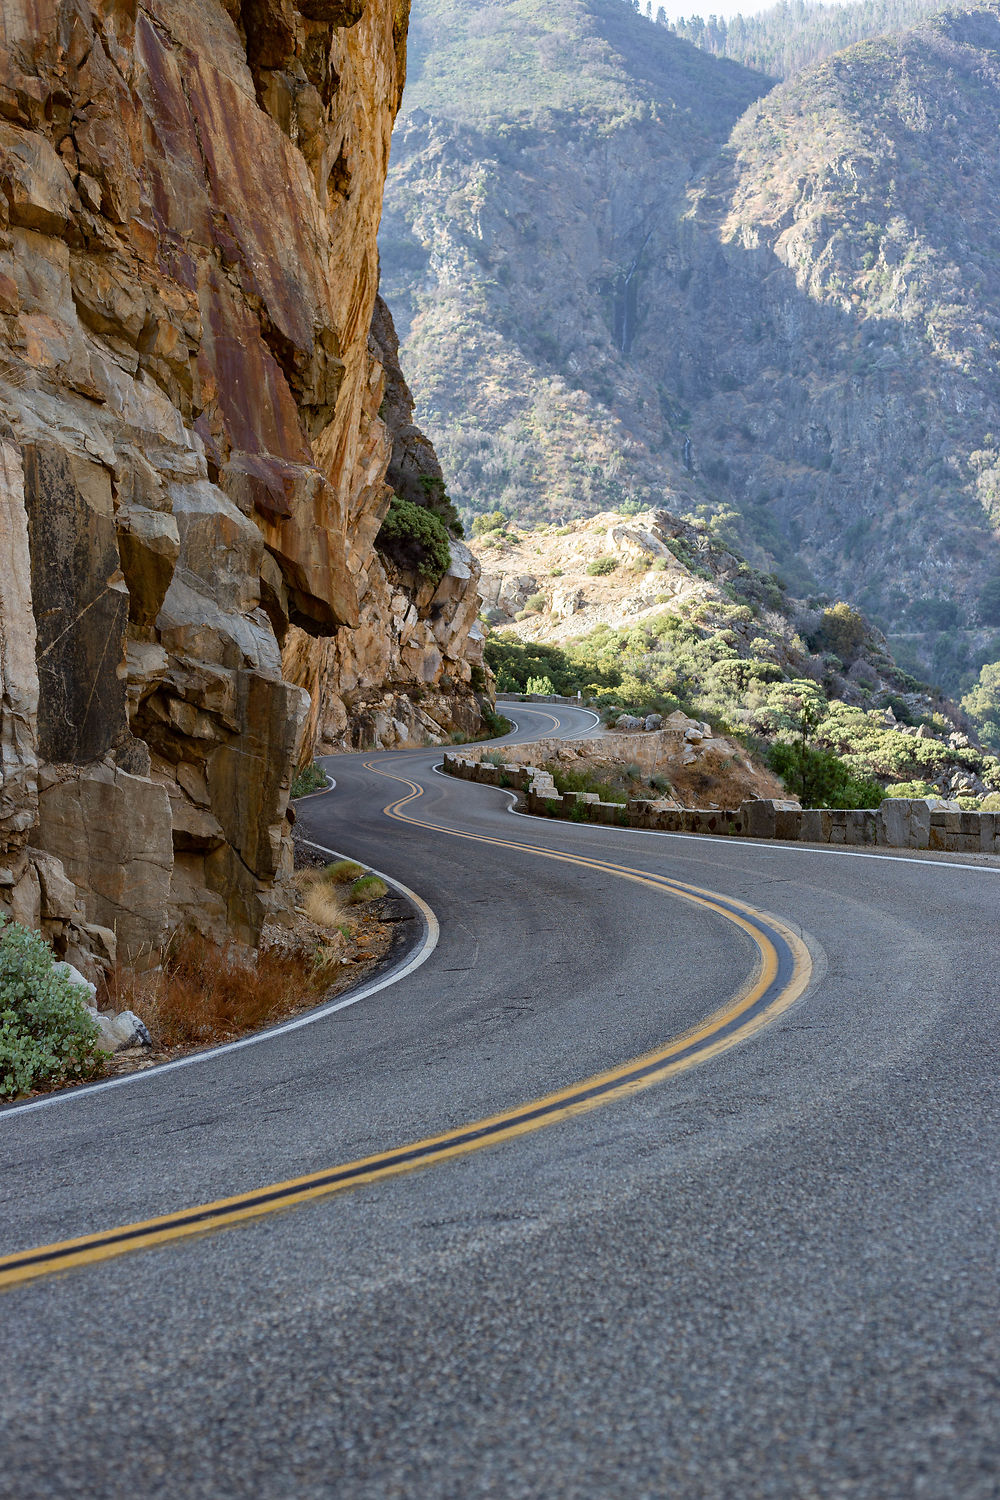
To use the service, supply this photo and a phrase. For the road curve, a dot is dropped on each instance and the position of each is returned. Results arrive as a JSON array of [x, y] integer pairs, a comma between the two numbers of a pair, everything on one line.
[[770, 1274]]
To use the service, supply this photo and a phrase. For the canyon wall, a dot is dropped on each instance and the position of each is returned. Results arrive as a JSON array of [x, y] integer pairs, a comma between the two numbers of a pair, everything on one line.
[[410, 671], [192, 461]]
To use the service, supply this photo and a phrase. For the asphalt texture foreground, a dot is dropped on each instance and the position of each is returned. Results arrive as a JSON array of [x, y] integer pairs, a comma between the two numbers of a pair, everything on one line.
[[772, 1275]]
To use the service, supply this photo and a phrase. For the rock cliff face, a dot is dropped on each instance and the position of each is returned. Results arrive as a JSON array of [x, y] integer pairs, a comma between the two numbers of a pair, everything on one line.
[[191, 457], [409, 673]]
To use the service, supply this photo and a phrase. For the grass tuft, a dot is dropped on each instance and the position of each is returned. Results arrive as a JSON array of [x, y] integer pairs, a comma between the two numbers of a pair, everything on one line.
[[368, 888], [322, 904]]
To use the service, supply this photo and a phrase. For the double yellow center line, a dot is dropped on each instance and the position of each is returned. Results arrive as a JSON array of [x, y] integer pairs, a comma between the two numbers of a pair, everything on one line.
[[781, 975]]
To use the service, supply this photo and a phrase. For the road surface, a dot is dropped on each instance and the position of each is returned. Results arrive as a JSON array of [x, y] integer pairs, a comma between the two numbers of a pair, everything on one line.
[[769, 1270]]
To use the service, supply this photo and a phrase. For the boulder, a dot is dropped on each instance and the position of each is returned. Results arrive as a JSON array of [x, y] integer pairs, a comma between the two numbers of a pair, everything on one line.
[[121, 1029], [68, 971], [112, 832], [903, 823]]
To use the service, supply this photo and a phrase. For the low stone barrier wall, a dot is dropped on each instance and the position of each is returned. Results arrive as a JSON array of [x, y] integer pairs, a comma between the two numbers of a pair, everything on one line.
[[900, 822]]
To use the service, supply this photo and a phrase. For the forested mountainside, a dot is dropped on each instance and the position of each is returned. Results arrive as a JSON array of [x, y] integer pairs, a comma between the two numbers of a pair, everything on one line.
[[645, 275], [788, 37], [541, 147]]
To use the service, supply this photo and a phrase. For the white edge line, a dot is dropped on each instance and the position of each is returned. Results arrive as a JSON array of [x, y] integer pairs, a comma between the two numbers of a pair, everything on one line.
[[432, 932], [330, 786], [716, 838]]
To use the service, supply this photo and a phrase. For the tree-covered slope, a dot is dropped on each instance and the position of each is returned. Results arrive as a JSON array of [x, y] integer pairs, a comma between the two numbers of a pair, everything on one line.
[[794, 34]]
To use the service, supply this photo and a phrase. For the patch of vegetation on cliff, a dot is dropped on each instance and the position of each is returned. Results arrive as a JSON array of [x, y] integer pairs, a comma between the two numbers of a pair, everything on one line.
[[415, 538]]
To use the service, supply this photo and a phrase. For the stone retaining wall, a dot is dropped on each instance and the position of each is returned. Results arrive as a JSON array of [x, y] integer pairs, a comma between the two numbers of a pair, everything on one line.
[[900, 822]]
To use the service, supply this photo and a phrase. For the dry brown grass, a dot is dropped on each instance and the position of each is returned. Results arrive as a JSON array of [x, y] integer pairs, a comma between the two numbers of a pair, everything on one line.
[[322, 904], [206, 993]]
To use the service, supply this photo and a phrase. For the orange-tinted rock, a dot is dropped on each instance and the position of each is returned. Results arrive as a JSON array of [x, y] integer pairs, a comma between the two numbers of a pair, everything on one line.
[[190, 193]]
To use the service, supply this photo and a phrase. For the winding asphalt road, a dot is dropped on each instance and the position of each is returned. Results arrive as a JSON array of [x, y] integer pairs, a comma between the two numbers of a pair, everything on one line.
[[770, 1274]]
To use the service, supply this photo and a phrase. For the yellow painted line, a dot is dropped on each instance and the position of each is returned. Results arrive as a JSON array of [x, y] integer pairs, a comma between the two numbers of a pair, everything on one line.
[[781, 976]]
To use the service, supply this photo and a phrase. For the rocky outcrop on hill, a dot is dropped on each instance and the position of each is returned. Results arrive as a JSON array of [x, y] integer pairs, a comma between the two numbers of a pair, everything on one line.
[[191, 456]]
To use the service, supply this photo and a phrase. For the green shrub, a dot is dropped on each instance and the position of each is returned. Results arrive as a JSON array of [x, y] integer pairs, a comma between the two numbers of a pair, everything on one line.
[[310, 779], [496, 724], [46, 1034], [491, 520], [582, 781], [437, 499], [343, 871], [602, 566], [819, 778], [982, 704], [368, 888], [534, 604], [841, 630], [415, 538], [540, 685]]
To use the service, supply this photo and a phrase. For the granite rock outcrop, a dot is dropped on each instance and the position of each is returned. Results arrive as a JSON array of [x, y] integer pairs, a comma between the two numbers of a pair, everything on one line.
[[411, 672], [191, 455]]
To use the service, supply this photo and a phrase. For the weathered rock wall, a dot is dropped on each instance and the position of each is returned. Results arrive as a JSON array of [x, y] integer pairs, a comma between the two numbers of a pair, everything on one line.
[[411, 670], [191, 456]]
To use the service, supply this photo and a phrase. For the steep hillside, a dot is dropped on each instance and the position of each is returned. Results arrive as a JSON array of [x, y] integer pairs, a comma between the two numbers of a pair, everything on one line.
[[843, 393], [521, 209], [788, 309], [192, 460], [652, 613]]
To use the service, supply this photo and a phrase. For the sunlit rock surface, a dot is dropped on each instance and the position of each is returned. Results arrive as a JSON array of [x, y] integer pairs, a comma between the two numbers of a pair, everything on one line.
[[191, 455]]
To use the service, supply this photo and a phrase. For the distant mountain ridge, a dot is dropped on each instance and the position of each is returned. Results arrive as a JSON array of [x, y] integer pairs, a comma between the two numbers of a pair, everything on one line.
[[794, 34], [645, 276]]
